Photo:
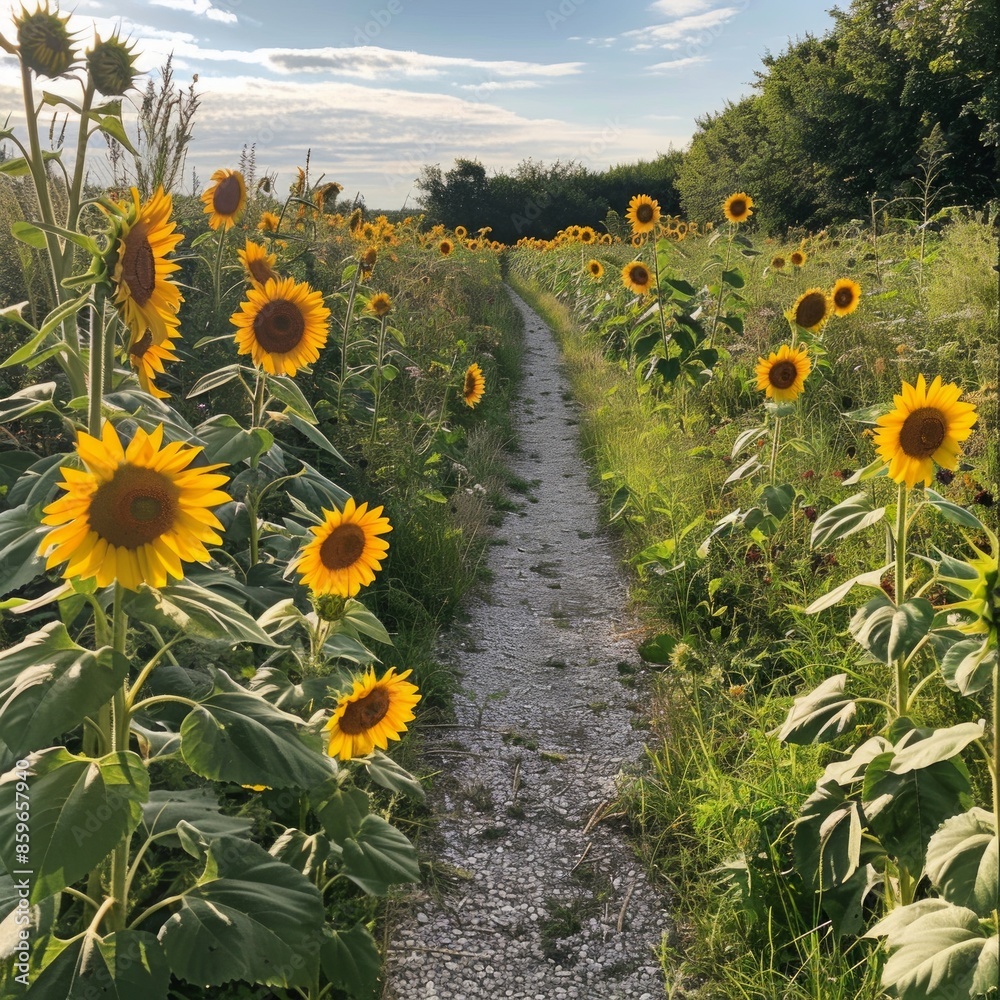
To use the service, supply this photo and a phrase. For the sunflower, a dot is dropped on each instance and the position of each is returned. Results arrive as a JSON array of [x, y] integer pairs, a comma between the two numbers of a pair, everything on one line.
[[147, 357], [846, 295], [783, 374], [811, 310], [446, 247], [596, 269], [145, 297], [778, 262], [638, 240], [258, 263], [474, 385], [643, 213], [461, 232], [282, 325], [368, 259], [375, 712], [133, 514], [346, 553], [44, 44], [798, 258], [636, 276], [587, 235], [380, 304], [926, 426], [737, 207], [269, 222], [225, 199]]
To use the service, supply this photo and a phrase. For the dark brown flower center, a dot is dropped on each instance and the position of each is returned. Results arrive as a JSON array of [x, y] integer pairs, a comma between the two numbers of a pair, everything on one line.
[[811, 310], [797, 259], [139, 264], [134, 508], [738, 207], [843, 297], [638, 275], [783, 374], [778, 263], [595, 268], [363, 714], [140, 346], [471, 383], [586, 236], [228, 195], [342, 547], [260, 270], [922, 432], [446, 248], [279, 326], [644, 213]]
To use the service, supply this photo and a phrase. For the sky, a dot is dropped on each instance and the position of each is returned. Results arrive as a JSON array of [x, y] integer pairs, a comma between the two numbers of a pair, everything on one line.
[[378, 88]]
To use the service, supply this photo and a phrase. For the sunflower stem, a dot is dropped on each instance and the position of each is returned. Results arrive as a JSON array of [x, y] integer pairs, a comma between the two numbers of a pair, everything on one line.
[[899, 543], [347, 328], [775, 439], [119, 742], [95, 388], [73, 210], [722, 286], [379, 350], [659, 303], [217, 270]]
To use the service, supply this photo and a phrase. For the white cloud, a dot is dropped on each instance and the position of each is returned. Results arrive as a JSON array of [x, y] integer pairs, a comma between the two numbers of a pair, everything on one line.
[[695, 29], [675, 64], [491, 86], [200, 8], [679, 8]]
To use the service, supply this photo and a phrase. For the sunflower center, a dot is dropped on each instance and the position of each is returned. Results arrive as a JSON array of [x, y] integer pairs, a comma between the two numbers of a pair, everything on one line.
[[363, 714], [470, 383], [922, 432], [638, 275], [783, 374], [143, 344], [139, 264], [644, 213], [134, 507], [227, 197], [343, 547], [738, 207], [843, 297], [811, 310], [260, 270], [279, 326]]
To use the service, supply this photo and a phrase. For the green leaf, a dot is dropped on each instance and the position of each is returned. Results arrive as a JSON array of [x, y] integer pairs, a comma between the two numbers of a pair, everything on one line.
[[872, 579], [828, 834], [248, 917], [351, 961], [304, 427], [302, 699], [952, 512], [851, 515], [680, 285], [735, 323], [214, 379], [201, 614], [923, 747], [80, 809], [38, 398], [744, 438], [197, 806], [658, 648], [778, 500], [27, 233], [379, 856], [733, 278], [48, 684], [287, 391], [358, 620], [962, 861], [112, 126], [304, 852], [821, 715], [937, 951], [848, 772], [384, 771], [236, 735], [125, 965], [226, 441], [340, 808], [748, 468], [21, 531], [888, 632], [968, 665]]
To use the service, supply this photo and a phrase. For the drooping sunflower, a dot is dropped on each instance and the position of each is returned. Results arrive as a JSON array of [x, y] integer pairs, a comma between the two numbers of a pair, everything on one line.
[[258, 263], [346, 553], [283, 325], [595, 269], [380, 304], [147, 357], [445, 247], [637, 277], [782, 375], [133, 514], [225, 199], [778, 262], [798, 258], [811, 310], [846, 295], [144, 295], [926, 426], [473, 385], [375, 712], [738, 207], [367, 260], [269, 222], [643, 213]]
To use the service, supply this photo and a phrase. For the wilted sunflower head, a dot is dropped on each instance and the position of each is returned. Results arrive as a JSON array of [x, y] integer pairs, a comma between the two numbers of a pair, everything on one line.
[[778, 262], [111, 65], [811, 310], [846, 295], [380, 304], [738, 207], [45, 45], [636, 276], [368, 259], [225, 199]]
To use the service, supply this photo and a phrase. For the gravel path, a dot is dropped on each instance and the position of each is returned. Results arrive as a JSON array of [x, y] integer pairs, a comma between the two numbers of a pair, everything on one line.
[[539, 896]]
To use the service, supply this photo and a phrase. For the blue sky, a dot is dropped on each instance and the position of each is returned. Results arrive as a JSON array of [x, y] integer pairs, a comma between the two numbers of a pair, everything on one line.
[[377, 88]]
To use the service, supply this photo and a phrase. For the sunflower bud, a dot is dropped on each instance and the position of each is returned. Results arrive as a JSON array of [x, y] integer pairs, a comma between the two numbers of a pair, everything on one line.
[[45, 44], [111, 66], [329, 607]]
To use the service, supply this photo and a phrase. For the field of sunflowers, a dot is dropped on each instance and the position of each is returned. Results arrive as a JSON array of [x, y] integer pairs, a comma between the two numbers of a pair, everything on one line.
[[253, 442]]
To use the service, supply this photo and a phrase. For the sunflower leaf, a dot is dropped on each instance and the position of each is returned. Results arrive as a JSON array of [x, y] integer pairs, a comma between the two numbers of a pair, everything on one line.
[[951, 511], [351, 961], [379, 856], [849, 516]]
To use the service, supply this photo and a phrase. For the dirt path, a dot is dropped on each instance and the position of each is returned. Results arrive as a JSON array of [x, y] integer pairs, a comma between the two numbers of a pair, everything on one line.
[[545, 898]]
